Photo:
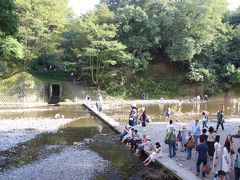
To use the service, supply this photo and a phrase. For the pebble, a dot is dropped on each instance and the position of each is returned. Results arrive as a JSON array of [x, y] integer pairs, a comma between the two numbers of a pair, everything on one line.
[[71, 163], [19, 130]]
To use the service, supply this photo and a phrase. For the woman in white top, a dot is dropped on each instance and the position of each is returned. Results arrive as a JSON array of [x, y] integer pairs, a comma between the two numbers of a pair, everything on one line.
[[217, 157], [210, 141], [226, 157], [155, 153], [184, 132]]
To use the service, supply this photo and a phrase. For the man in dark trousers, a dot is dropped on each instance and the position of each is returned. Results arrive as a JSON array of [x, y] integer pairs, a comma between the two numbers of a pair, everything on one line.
[[202, 154], [220, 120]]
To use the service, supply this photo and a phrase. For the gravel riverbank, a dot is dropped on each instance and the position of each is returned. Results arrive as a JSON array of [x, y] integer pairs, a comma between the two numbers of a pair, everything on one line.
[[72, 163], [19, 130]]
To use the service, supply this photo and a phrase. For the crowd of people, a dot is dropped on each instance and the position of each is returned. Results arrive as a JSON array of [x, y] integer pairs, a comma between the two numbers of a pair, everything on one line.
[[203, 140], [133, 140], [140, 145], [135, 119], [219, 158]]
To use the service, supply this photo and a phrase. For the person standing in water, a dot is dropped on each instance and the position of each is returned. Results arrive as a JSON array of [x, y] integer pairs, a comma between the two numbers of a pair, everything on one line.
[[143, 118]]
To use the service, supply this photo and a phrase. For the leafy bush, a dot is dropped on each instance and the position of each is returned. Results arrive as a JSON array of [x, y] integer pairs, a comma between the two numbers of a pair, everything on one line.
[[153, 87]]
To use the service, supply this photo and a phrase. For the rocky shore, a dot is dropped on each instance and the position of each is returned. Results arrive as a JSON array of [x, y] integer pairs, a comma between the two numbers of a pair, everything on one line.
[[19, 130], [71, 163]]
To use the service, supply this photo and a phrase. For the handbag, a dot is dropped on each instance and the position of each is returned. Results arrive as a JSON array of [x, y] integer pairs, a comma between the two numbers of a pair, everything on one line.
[[190, 143], [206, 169], [168, 138]]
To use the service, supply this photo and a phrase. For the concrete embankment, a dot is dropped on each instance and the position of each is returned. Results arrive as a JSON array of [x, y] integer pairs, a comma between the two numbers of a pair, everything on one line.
[[174, 167]]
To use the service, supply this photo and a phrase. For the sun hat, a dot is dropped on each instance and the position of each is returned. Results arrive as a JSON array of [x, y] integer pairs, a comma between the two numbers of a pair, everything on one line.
[[134, 105]]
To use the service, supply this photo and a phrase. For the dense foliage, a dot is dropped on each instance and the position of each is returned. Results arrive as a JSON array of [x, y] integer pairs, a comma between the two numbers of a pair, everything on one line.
[[114, 45]]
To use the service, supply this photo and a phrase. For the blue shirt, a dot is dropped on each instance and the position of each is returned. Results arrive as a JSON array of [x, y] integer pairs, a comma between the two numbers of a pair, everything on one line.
[[196, 130], [202, 150], [204, 136]]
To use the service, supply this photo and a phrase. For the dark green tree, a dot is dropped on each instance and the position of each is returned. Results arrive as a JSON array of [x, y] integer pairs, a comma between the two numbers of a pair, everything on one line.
[[41, 25], [8, 17], [93, 41]]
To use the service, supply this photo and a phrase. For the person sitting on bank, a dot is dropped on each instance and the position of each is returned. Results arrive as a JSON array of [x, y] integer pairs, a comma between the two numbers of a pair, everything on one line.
[[144, 147], [135, 140], [125, 132], [128, 136], [155, 153], [143, 140]]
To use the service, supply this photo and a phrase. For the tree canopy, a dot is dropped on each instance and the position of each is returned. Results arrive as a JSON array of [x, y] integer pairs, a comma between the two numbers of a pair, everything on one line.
[[200, 37], [8, 17]]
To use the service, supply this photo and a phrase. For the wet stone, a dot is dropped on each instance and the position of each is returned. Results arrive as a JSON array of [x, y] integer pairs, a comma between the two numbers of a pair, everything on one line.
[[71, 163]]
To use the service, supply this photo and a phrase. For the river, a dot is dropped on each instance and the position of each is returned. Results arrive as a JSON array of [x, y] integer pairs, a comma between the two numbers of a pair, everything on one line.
[[85, 148]]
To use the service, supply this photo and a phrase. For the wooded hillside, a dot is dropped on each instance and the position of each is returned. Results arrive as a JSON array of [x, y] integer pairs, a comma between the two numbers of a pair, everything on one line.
[[123, 46]]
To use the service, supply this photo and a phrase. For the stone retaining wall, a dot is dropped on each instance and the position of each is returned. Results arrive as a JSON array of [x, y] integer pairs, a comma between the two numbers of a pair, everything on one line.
[[22, 91]]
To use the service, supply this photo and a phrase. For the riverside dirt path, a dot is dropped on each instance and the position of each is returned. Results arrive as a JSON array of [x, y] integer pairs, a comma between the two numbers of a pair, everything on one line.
[[183, 168]]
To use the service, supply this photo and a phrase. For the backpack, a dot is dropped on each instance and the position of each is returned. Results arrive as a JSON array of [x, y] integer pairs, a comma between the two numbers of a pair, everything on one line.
[[191, 143]]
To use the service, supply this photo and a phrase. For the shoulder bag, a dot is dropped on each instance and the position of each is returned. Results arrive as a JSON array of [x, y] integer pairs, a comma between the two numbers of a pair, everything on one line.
[[168, 138]]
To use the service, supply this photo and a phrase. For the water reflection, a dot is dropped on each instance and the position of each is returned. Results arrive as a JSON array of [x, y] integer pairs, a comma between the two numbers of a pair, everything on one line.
[[99, 127], [105, 142], [187, 111]]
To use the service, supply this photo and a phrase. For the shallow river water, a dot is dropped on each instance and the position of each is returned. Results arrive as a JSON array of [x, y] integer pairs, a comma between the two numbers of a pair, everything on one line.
[[82, 149], [186, 112], [87, 148]]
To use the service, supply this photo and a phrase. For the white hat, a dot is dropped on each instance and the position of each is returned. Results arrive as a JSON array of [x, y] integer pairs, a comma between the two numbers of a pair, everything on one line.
[[143, 108], [134, 105]]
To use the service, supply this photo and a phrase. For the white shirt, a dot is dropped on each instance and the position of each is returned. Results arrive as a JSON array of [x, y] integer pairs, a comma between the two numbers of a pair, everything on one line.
[[198, 98], [169, 126], [100, 98], [205, 118]]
